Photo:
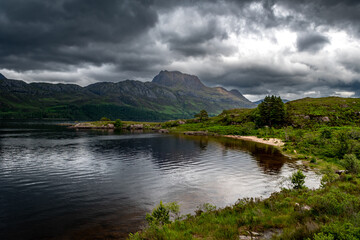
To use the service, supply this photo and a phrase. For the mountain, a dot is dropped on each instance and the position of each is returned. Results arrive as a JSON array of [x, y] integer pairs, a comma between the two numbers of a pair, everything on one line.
[[170, 95], [2, 76], [178, 80]]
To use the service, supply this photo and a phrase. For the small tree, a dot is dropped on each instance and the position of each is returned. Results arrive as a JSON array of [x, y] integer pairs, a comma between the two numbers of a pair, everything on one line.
[[118, 123], [202, 116], [298, 180]]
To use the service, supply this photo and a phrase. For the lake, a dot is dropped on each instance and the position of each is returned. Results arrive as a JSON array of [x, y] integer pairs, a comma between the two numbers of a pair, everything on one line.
[[59, 183]]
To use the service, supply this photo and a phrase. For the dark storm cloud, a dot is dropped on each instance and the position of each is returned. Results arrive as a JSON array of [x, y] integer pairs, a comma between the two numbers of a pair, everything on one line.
[[258, 79], [89, 40], [198, 42], [311, 42], [343, 14], [43, 32]]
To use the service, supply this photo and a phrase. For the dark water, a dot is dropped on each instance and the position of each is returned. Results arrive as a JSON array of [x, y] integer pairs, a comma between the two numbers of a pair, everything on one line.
[[65, 184]]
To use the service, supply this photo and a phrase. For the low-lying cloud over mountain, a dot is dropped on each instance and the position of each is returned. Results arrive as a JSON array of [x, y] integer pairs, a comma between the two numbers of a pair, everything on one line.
[[291, 48]]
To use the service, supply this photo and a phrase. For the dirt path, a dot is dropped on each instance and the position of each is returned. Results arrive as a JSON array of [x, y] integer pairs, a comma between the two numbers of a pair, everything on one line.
[[270, 141]]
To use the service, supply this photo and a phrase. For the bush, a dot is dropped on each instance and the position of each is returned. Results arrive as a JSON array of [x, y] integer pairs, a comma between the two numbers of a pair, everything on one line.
[[170, 124], [329, 176], [351, 163], [118, 123], [105, 119], [322, 236], [206, 207], [342, 231], [161, 214], [298, 180], [326, 133], [334, 202]]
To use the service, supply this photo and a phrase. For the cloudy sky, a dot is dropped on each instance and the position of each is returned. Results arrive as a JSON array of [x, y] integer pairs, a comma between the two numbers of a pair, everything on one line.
[[295, 49]]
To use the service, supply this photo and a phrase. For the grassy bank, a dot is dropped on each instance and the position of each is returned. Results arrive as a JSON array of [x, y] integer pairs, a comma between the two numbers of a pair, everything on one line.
[[325, 133], [331, 212]]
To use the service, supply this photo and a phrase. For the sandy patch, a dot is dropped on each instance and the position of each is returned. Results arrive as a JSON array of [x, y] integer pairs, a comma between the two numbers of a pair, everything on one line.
[[270, 141]]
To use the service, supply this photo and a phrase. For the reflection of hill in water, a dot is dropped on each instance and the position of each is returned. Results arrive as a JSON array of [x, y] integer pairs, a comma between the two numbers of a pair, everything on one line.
[[165, 150], [267, 157], [183, 150], [177, 151]]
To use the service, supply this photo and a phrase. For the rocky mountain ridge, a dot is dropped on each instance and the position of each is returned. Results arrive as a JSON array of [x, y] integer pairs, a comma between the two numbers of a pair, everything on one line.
[[170, 95]]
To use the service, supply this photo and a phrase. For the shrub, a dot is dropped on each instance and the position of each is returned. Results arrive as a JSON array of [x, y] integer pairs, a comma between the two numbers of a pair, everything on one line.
[[118, 123], [329, 176], [161, 214], [334, 202], [170, 124], [105, 119], [322, 236], [206, 207], [342, 230], [298, 180], [326, 133], [351, 163]]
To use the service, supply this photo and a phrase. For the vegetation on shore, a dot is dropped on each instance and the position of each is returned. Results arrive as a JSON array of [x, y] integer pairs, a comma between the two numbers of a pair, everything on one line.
[[320, 130], [323, 132], [331, 212]]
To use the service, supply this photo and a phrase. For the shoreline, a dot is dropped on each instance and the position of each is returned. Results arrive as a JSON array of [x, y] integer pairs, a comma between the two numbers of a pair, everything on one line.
[[275, 142], [271, 141]]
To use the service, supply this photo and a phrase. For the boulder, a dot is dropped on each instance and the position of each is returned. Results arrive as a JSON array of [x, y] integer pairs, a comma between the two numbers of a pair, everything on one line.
[[325, 119], [137, 126]]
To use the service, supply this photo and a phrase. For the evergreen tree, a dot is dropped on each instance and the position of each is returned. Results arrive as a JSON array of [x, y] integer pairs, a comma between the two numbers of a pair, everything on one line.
[[202, 116], [271, 112]]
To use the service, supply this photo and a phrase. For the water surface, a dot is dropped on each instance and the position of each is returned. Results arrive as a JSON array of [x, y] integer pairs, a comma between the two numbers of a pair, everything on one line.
[[66, 184]]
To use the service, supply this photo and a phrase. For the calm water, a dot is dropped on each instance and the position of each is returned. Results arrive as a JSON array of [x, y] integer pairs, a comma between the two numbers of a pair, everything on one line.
[[57, 183]]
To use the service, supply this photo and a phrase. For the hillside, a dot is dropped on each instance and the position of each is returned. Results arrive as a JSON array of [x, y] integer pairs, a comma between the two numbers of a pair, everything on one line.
[[306, 113], [330, 111], [170, 95]]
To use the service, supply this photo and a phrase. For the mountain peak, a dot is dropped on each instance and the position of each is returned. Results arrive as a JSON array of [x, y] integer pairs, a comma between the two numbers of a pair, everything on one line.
[[176, 79], [2, 77], [236, 92]]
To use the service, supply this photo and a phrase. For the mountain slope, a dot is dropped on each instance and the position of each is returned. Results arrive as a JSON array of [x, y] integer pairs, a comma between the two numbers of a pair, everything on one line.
[[170, 95], [2, 76]]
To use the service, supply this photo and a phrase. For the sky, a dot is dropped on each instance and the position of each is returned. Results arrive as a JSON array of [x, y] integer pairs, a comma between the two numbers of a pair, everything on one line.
[[295, 49]]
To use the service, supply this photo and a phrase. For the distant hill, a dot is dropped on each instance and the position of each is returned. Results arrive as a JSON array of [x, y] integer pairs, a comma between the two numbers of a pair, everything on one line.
[[171, 95], [261, 100]]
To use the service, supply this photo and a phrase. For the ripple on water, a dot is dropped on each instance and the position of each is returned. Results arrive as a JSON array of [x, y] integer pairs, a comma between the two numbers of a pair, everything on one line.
[[63, 183]]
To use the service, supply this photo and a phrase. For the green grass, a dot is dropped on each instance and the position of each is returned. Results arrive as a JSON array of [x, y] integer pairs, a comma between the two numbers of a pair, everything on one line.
[[333, 209]]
